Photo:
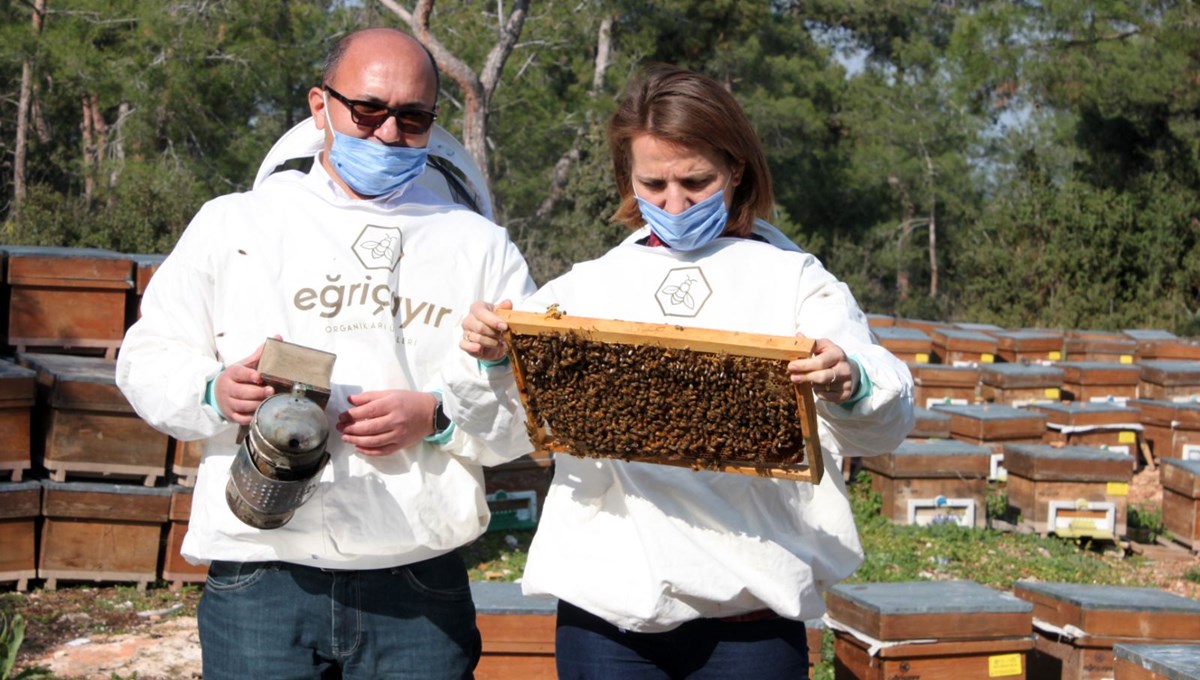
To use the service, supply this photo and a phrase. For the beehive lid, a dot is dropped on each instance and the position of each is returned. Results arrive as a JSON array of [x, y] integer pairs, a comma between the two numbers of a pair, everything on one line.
[[1021, 376], [1183, 415], [20, 500], [988, 328], [880, 320], [925, 325], [1030, 340], [1108, 342], [959, 339], [944, 375], [1149, 334], [1170, 373], [1043, 462], [82, 383], [1167, 662], [993, 422], [930, 459], [1181, 476], [903, 339], [942, 610], [732, 406], [1113, 611], [930, 423], [1098, 373], [493, 597], [95, 500], [68, 267], [17, 385], [1082, 413]]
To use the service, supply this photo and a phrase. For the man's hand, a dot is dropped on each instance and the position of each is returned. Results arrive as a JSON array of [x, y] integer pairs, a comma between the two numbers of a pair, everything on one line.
[[239, 388], [380, 423]]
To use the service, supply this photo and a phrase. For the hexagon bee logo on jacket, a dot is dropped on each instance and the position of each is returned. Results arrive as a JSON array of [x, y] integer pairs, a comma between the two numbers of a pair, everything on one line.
[[379, 247], [683, 292]]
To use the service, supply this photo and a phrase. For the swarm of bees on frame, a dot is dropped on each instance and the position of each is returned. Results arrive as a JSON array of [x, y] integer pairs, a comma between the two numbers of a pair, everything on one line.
[[622, 401]]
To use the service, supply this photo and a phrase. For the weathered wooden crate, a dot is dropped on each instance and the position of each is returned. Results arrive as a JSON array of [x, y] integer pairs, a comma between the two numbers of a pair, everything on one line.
[[1156, 662], [1146, 340], [993, 426], [20, 507], [175, 569], [1071, 491], [933, 629], [1101, 346], [957, 346], [651, 392], [930, 424], [1018, 384], [1169, 380], [924, 325], [70, 298], [101, 532], [880, 320], [1082, 423], [911, 345], [932, 482], [1032, 345], [1077, 625], [1099, 381], [944, 384], [185, 460], [144, 267], [1181, 500], [517, 632], [17, 397], [1171, 429], [1175, 350], [91, 428]]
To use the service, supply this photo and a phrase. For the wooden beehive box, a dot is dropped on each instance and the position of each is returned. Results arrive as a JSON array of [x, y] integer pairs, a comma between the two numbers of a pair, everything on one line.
[[101, 532], [1099, 381], [880, 320], [1077, 625], [91, 428], [944, 384], [1173, 350], [17, 396], [1146, 340], [1102, 346], [930, 424], [993, 426], [1070, 491], [911, 345], [1020, 384], [924, 325], [1105, 425], [692, 397], [1181, 500], [956, 346], [1169, 380], [176, 570], [185, 460], [989, 328], [144, 267], [20, 506], [1032, 345], [71, 298], [934, 629], [932, 482], [517, 632], [1171, 429], [1156, 662]]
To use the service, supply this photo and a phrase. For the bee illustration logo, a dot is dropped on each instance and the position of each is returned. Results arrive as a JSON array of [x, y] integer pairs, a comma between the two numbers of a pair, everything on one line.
[[683, 292], [379, 247]]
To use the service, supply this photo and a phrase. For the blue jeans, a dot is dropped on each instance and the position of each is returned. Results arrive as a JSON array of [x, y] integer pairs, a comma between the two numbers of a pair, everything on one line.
[[589, 648], [268, 620]]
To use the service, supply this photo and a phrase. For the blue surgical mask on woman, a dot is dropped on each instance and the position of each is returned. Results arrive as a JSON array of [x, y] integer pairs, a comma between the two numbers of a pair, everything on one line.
[[370, 168], [693, 228]]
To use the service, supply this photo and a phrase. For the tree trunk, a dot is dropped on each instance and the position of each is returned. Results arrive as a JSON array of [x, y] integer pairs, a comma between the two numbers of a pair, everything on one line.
[[933, 263], [24, 106]]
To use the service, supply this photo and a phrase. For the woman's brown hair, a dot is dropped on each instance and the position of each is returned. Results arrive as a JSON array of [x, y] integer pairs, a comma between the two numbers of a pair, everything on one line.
[[692, 110]]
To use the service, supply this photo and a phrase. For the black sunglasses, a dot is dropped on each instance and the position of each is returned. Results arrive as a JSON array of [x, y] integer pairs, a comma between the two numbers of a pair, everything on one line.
[[372, 114]]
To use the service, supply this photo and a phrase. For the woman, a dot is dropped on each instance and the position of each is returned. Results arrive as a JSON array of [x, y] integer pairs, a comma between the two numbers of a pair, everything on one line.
[[664, 572]]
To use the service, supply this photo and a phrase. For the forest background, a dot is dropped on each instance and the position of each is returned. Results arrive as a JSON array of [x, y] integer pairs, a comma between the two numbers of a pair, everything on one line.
[[1017, 163]]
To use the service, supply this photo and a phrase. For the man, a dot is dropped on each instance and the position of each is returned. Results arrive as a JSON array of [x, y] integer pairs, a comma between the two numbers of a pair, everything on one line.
[[353, 259]]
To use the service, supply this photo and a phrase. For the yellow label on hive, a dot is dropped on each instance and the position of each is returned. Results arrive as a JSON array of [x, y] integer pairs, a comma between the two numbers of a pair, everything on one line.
[[1118, 489], [986, 358], [1055, 356], [1004, 665], [1053, 393], [1127, 358], [1127, 437], [922, 358]]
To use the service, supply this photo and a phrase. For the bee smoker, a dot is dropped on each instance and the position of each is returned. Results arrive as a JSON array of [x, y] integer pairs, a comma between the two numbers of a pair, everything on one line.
[[282, 453]]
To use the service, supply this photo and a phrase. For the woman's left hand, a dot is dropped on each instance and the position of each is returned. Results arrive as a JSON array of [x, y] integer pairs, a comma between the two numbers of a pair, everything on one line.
[[832, 374]]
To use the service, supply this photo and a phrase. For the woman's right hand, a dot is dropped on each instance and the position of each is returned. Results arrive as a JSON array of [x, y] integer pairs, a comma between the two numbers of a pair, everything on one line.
[[483, 331]]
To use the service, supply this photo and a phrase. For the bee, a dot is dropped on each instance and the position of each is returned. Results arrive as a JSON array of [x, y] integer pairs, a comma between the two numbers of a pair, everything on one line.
[[380, 248], [681, 294]]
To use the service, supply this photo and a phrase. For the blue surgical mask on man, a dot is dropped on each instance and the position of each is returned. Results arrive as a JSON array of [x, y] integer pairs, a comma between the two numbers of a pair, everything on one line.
[[693, 228], [371, 168]]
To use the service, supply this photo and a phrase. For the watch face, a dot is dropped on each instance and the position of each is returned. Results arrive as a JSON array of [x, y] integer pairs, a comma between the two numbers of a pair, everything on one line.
[[440, 420]]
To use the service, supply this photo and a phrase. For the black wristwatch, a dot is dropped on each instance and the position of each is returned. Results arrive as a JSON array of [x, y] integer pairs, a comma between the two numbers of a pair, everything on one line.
[[441, 422]]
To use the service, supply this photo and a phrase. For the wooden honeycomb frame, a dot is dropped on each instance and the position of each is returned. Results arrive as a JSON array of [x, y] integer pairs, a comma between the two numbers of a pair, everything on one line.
[[698, 340]]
